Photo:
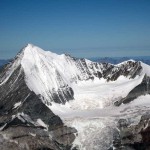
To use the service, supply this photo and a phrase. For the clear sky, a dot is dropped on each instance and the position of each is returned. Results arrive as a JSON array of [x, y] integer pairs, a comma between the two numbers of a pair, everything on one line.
[[82, 28]]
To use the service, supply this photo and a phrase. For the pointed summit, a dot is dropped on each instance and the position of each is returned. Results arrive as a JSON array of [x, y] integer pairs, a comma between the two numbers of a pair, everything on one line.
[[31, 47], [32, 50], [25, 48]]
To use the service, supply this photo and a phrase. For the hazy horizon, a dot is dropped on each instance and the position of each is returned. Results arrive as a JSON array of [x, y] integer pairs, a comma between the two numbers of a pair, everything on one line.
[[90, 57]]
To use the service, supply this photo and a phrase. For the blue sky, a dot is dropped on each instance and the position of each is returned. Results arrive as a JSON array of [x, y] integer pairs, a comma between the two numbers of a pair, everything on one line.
[[82, 28]]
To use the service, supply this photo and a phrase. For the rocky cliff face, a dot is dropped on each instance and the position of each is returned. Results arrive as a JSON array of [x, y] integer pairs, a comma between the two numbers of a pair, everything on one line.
[[142, 89], [133, 137]]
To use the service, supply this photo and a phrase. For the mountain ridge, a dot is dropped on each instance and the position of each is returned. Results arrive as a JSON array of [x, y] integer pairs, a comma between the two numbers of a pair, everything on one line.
[[55, 74], [116, 60]]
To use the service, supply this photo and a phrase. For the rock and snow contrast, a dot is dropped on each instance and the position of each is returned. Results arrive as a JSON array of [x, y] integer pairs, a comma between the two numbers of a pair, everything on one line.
[[50, 101]]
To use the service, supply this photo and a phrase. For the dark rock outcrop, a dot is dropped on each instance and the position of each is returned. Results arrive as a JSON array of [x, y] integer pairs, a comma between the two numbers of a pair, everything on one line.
[[110, 72], [142, 89], [133, 137], [128, 69]]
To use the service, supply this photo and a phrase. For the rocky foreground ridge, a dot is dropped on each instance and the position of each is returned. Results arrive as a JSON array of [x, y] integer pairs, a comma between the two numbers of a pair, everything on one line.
[[133, 137]]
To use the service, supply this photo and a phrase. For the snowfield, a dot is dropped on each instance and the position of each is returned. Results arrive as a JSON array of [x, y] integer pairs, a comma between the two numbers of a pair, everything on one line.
[[93, 96], [93, 114], [96, 127]]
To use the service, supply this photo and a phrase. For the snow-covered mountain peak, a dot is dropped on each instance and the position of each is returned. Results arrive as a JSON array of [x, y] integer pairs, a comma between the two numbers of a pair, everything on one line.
[[47, 73], [34, 51], [54, 76], [126, 62], [30, 45]]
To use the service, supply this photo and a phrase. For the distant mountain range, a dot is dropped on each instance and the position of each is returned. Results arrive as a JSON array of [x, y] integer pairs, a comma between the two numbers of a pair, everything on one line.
[[116, 60], [3, 62]]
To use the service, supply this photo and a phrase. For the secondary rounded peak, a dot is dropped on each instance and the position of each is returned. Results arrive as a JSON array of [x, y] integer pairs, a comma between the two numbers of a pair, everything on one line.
[[29, 45]]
